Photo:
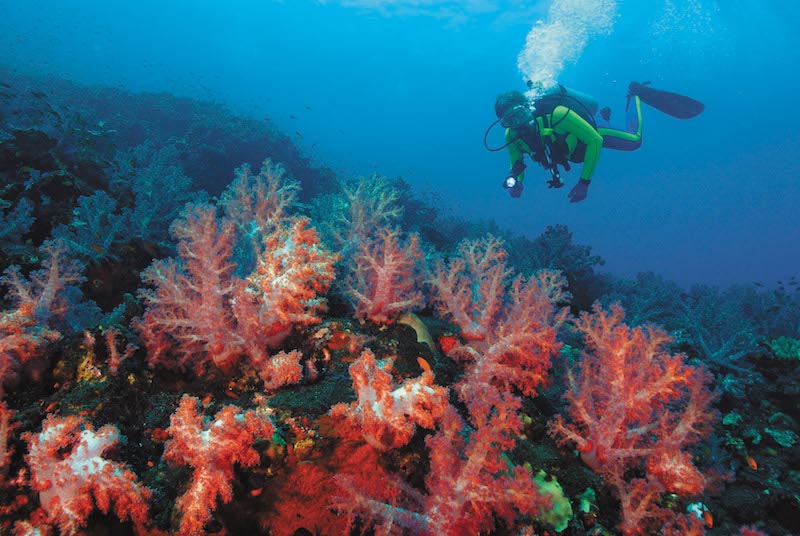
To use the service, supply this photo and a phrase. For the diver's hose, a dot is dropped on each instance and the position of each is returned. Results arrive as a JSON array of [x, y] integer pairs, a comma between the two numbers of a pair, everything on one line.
[[486, 136]]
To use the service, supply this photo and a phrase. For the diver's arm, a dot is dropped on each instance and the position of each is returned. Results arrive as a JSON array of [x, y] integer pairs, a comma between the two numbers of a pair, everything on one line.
[[515, 153], [566, 121]]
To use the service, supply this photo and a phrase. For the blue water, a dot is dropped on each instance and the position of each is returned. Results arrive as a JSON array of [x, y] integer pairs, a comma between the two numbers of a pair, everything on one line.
[[406, 87]]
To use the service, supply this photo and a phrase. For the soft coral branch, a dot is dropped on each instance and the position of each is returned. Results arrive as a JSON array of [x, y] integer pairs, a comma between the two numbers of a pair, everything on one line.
[[211, 449], [388, 415], [632, 405], [40, 307], [284, 291], [386, 277], [189, 320], [201, 315], [510, 325], [470, 289], [69, 470], [471, 482]]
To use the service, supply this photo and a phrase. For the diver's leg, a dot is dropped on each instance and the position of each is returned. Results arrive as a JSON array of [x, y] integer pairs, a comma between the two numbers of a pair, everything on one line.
[[629, 139]]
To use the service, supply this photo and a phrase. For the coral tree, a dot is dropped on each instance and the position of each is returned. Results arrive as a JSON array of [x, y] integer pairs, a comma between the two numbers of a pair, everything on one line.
[[69, 470], [211, 449], [388, 416], [202, 316], [387, 278], [510, 329], [634, 405], [40, 305]]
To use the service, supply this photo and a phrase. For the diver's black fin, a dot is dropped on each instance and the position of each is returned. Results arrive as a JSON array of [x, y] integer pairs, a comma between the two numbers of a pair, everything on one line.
[[679, 106]]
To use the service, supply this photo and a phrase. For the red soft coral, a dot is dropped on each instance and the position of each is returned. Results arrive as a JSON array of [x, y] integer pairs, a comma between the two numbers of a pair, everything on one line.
[[510, 326], [40, 306], [388, 416], [470, 483], [258, 204], [633, 405], [5, 436], [68, 469], [211, 449], [471, 288], [189, 321], [284, 291], [386, 277], [201, 315]]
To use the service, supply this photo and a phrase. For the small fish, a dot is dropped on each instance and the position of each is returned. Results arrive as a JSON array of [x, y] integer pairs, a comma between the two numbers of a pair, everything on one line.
[[292, 117], [38, 94], [49, 109], [308, 107], [296, 133], [98, 249], [708, 518], [751, 463], [423, 364], [256, 492], [7, 86], [756, 283]]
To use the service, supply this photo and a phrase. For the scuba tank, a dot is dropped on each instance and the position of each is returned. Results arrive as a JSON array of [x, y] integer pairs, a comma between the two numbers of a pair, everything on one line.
[[582, 104]]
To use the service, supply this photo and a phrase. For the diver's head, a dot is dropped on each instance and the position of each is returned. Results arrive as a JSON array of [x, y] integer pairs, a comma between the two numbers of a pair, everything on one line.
[[513, 109]]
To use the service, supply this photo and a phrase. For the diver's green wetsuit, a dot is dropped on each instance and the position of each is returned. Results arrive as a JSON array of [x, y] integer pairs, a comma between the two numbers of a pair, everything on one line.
[[576, 139]]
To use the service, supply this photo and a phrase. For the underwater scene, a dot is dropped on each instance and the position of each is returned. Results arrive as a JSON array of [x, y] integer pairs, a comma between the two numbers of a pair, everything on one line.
[[399, 267]]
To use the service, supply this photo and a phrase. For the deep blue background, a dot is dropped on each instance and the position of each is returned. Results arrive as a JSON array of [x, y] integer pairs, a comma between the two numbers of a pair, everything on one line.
[[409, 91]]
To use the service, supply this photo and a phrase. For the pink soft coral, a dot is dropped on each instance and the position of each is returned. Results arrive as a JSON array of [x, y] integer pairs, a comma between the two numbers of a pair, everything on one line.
[[387, 414], [5, 436], [386, 277], [201, 315], [69, 470], [39, 307], [510, 327], [211, 449], [470, 483], [258, 204], [284, 290], [470, 289], [189, 320], [633, 405], [510, 324]]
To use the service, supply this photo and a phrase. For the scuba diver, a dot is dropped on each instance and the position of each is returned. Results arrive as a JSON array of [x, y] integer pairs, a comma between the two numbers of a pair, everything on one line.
[[564, 126]]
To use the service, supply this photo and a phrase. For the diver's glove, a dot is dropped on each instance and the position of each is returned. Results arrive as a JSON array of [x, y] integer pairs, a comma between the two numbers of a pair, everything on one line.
[[513, 186], [579, 191]]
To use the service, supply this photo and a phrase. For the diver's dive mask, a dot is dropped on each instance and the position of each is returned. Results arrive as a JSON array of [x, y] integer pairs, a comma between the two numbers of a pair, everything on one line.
[[513, 111], [517, 116]]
